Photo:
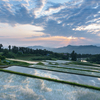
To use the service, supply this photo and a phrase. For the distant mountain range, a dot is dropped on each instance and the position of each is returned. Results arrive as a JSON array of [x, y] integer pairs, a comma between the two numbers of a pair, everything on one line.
[[82, 49], [39, 47]]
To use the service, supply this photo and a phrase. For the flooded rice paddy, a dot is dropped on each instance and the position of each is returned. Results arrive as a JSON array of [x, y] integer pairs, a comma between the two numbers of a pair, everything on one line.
[[16, 87]]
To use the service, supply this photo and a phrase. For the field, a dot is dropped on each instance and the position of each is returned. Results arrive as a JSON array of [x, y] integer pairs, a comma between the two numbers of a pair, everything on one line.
[[60, 80]]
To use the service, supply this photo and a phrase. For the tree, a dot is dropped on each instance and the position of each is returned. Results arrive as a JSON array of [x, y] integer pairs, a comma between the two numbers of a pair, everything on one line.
[[15, 49], [2, 57], [5, 52], [9, 47], [73, 56], [1, 46]]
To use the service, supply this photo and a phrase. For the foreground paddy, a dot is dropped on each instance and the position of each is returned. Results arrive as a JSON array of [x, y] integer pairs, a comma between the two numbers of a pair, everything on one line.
[[16, 87]]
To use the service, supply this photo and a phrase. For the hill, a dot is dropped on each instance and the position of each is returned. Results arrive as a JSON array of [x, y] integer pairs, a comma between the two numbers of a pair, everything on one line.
[[40, 47], [82, 49]]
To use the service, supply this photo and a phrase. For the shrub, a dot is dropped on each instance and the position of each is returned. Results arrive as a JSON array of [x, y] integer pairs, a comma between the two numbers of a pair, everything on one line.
[[50, 63], [2, 57], [5, 62], [40, 63]]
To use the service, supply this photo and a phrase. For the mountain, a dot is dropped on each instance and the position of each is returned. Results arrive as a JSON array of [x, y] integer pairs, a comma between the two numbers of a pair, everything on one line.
[[83, 49], [39, 47]]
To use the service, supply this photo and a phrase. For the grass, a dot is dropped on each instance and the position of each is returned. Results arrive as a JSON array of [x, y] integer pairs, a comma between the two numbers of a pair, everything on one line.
[[76, 69], [53, 63], [18, 63], [28, 57], [14, 63], [31, 57], [50, 79], [40, 63], [94, 68], [2, 63], [82, 63]]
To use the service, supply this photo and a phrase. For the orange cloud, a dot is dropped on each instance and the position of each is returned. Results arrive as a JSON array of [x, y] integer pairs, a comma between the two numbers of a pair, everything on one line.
[[82, 38], [53, 38]]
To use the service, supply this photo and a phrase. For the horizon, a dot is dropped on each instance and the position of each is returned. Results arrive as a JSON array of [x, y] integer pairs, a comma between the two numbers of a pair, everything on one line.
[[50, 47], [49, 23]]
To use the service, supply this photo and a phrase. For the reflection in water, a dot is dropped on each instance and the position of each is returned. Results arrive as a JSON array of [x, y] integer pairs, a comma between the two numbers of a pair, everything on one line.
[[16, 87], [88, 96], [57, 75]]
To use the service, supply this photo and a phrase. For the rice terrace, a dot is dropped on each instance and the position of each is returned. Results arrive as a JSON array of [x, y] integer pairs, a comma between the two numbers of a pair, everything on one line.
[[49, 49], [38, 78]]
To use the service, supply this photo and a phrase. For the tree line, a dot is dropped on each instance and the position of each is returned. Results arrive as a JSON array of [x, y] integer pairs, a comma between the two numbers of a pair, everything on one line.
[[14, 51]]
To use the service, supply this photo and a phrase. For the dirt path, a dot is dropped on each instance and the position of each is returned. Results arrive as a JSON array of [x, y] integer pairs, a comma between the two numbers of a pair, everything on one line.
[[30, 62]]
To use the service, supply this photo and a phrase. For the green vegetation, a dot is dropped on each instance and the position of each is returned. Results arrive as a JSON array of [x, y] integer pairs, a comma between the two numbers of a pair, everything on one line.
[[50, 63], [50, 79], [82, 63], [12, 63], [92, 67], [2, 60], [55, 63], [31, 54], [73, 56], [94, 59], [38, 54], [40, 63], [2, 57], [1, 63], [41, 58], [18, 63], [76, 69]]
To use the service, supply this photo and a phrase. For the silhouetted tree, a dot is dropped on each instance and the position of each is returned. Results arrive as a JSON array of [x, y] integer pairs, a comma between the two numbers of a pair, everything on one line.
[[1, 47], [9, 47], [15, 49], [73, 56]]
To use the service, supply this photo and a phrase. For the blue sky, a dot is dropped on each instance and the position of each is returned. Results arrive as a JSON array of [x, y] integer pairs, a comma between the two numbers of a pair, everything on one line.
[[50, 23]]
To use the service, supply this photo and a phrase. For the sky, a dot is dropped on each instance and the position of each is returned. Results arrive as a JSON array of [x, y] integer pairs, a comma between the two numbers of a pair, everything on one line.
[[49, 23]]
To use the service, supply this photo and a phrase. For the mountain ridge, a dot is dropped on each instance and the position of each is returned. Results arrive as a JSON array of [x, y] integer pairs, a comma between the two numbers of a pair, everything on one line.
[[82, 49]]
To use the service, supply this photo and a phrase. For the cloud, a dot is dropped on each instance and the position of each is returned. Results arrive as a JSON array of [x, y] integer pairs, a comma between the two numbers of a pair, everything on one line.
[[5, 0], [57, 41], [39, 7], [93, 28], [15, 14], [21, 31], [43, 87], [75, 12], [56, 38], [28, 27], [53, 9], [73, 18]]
